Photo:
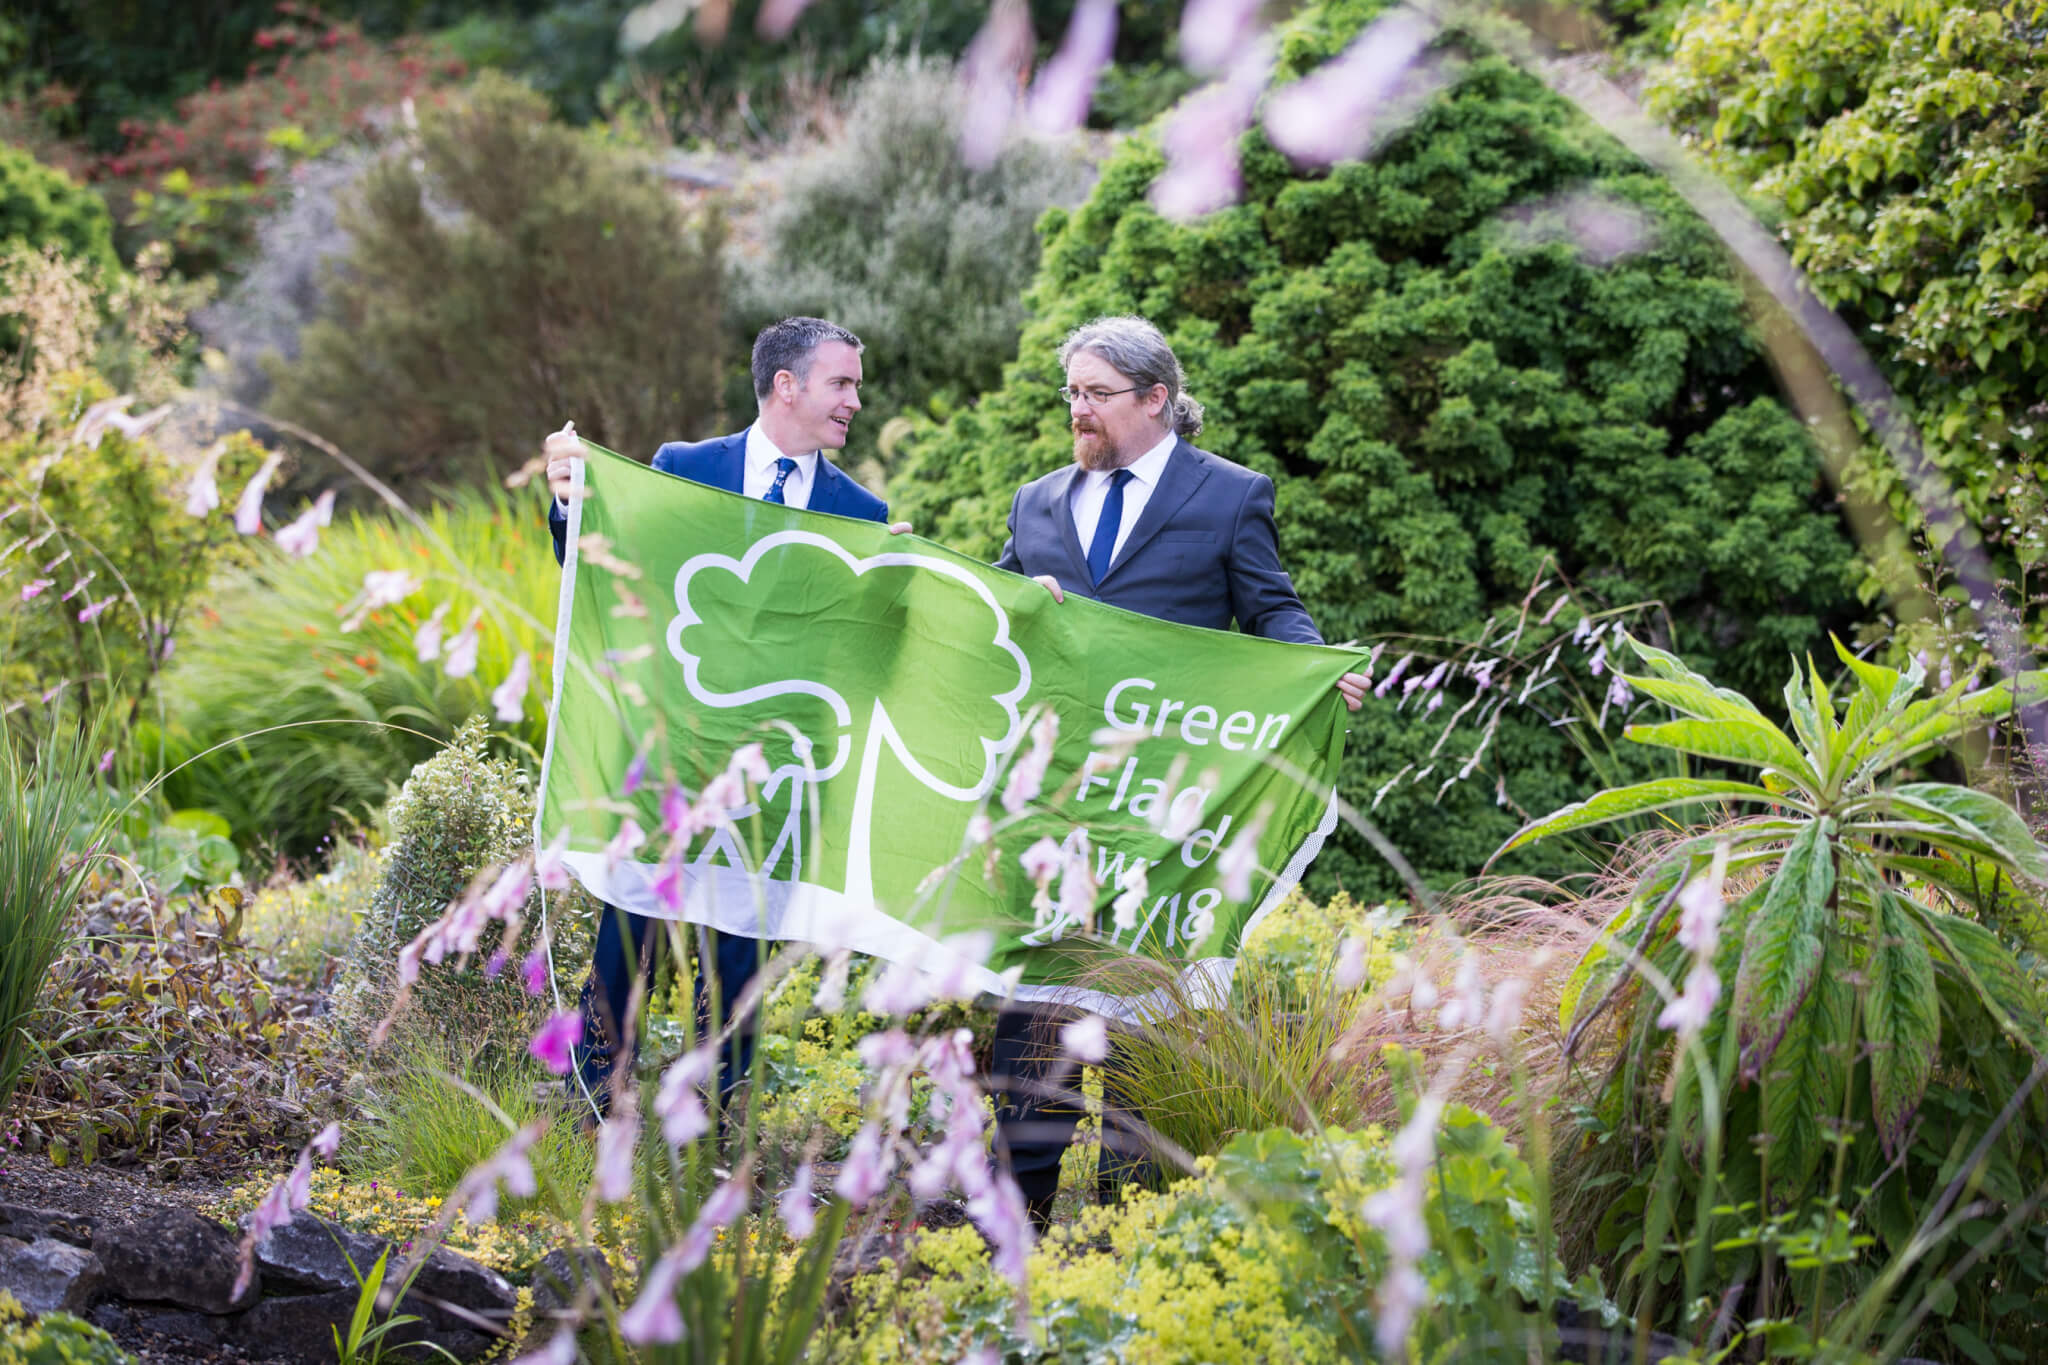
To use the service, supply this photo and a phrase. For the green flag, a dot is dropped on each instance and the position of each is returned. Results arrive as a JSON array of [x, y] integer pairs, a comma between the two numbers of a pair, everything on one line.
[[954, 771]]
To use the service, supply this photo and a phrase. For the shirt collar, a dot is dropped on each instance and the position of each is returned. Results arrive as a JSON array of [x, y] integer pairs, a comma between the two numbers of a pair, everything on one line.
[[762, 454], [1147, 468]]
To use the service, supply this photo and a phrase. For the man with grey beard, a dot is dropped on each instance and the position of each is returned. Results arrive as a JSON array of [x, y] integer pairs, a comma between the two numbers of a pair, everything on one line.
[[1144, 520]]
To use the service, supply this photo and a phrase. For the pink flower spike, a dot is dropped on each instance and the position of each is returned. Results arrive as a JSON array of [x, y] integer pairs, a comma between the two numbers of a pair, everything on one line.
[[1351, 962], [778, 17], [636, 773], [533, 972], [510, 695], [672, 887], [794, 1206], [866, 1172], [560, 1350], [1347, 106], [426, 641], [461, 659], [750, 763], [1689, 1013], [556, 1040], [675, 810], [1210, 30], [249, 509], [202, 495], [625, 843], [1041, 861], [1240, 861], [1066, 85], [328, 1140], [726, 1203], [92, 610], [106, 761], [302, 537], [990, 73], [1086, 1039], [35, 589], [654, 1319], [550, 868], [615, 1138]]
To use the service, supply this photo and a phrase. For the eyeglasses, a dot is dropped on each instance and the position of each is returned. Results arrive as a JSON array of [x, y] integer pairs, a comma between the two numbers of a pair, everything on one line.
[[1095, 398]]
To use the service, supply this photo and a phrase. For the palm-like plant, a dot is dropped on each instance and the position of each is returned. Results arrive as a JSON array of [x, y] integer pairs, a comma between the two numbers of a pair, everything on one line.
[[1862, 936]]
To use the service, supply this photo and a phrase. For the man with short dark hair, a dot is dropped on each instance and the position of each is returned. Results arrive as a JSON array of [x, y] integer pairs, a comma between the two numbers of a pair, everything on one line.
[[807, 378], [1144, 520]]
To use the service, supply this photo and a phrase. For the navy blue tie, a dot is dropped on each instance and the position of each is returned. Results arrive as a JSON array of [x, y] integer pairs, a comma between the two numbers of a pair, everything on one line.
[[774, 493], [1103, 547]]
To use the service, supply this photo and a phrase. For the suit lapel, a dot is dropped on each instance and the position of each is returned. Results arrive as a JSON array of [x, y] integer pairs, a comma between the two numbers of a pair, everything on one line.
[[826, 490], [1185, 471], [729, 464], [1061, 507]]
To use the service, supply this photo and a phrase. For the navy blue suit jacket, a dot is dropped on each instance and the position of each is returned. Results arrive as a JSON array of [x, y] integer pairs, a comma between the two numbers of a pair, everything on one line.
[[721, 463], [1204, 552]]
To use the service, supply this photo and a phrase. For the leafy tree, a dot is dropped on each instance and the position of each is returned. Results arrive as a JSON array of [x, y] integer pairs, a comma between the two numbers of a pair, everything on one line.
[[884, 230], [1862, 955], [39, 205], [519, 274], [1906, 144], [1449, 398]]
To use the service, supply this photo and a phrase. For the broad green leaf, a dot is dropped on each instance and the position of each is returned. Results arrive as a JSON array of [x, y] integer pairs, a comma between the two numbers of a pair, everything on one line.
[[1984, 886], [1902, 1019], [1781, 952], [1937, 720], [1813, 716], [1619, 803], [1881, 694], [1806, 1075], [1685, 691], [1985, 817], [1754, 743], [2005, 992]]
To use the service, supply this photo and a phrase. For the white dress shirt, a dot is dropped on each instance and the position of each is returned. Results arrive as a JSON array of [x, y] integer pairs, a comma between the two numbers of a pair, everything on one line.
[[759, 473], [1093, 486]]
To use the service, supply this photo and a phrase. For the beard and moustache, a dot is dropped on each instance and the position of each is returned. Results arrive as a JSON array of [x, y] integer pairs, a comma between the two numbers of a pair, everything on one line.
[[1093, 449]]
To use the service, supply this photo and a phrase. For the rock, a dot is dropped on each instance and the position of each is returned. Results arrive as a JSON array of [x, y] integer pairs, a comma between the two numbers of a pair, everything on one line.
[[562, 1272], [1583, 1339], [175, 1256], [450, 1289], [181, 1328], [302, 1327], [27, 1225], [50, 1276]]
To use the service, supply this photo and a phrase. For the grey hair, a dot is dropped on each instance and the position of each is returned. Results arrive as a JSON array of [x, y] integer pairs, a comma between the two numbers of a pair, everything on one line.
[[1135, 349], [789, 345]]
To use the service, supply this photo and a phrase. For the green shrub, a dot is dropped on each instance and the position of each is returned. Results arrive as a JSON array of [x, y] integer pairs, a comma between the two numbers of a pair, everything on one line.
[[115, 520], [303, 928], [884, 230], [319, 725], [460, 814], [507, 275], [52, 1339], [424, 1134], [39, 205], [1262, 1257], [1449, 409], [1905, 143], [1872, 1016]]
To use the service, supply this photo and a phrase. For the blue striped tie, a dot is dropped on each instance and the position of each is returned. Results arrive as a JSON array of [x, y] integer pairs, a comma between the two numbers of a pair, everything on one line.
[[774, 493], [1103, 547]]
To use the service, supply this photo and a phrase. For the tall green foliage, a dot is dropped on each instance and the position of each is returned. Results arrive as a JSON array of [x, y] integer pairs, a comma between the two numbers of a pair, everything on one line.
[[1869, 990], [1445, 400], [51, 816], [509, 275], [317, 723], [1906, 144], [884, 230]]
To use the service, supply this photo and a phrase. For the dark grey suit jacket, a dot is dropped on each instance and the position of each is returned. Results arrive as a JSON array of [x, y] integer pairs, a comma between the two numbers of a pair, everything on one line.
[[1204, 551]]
